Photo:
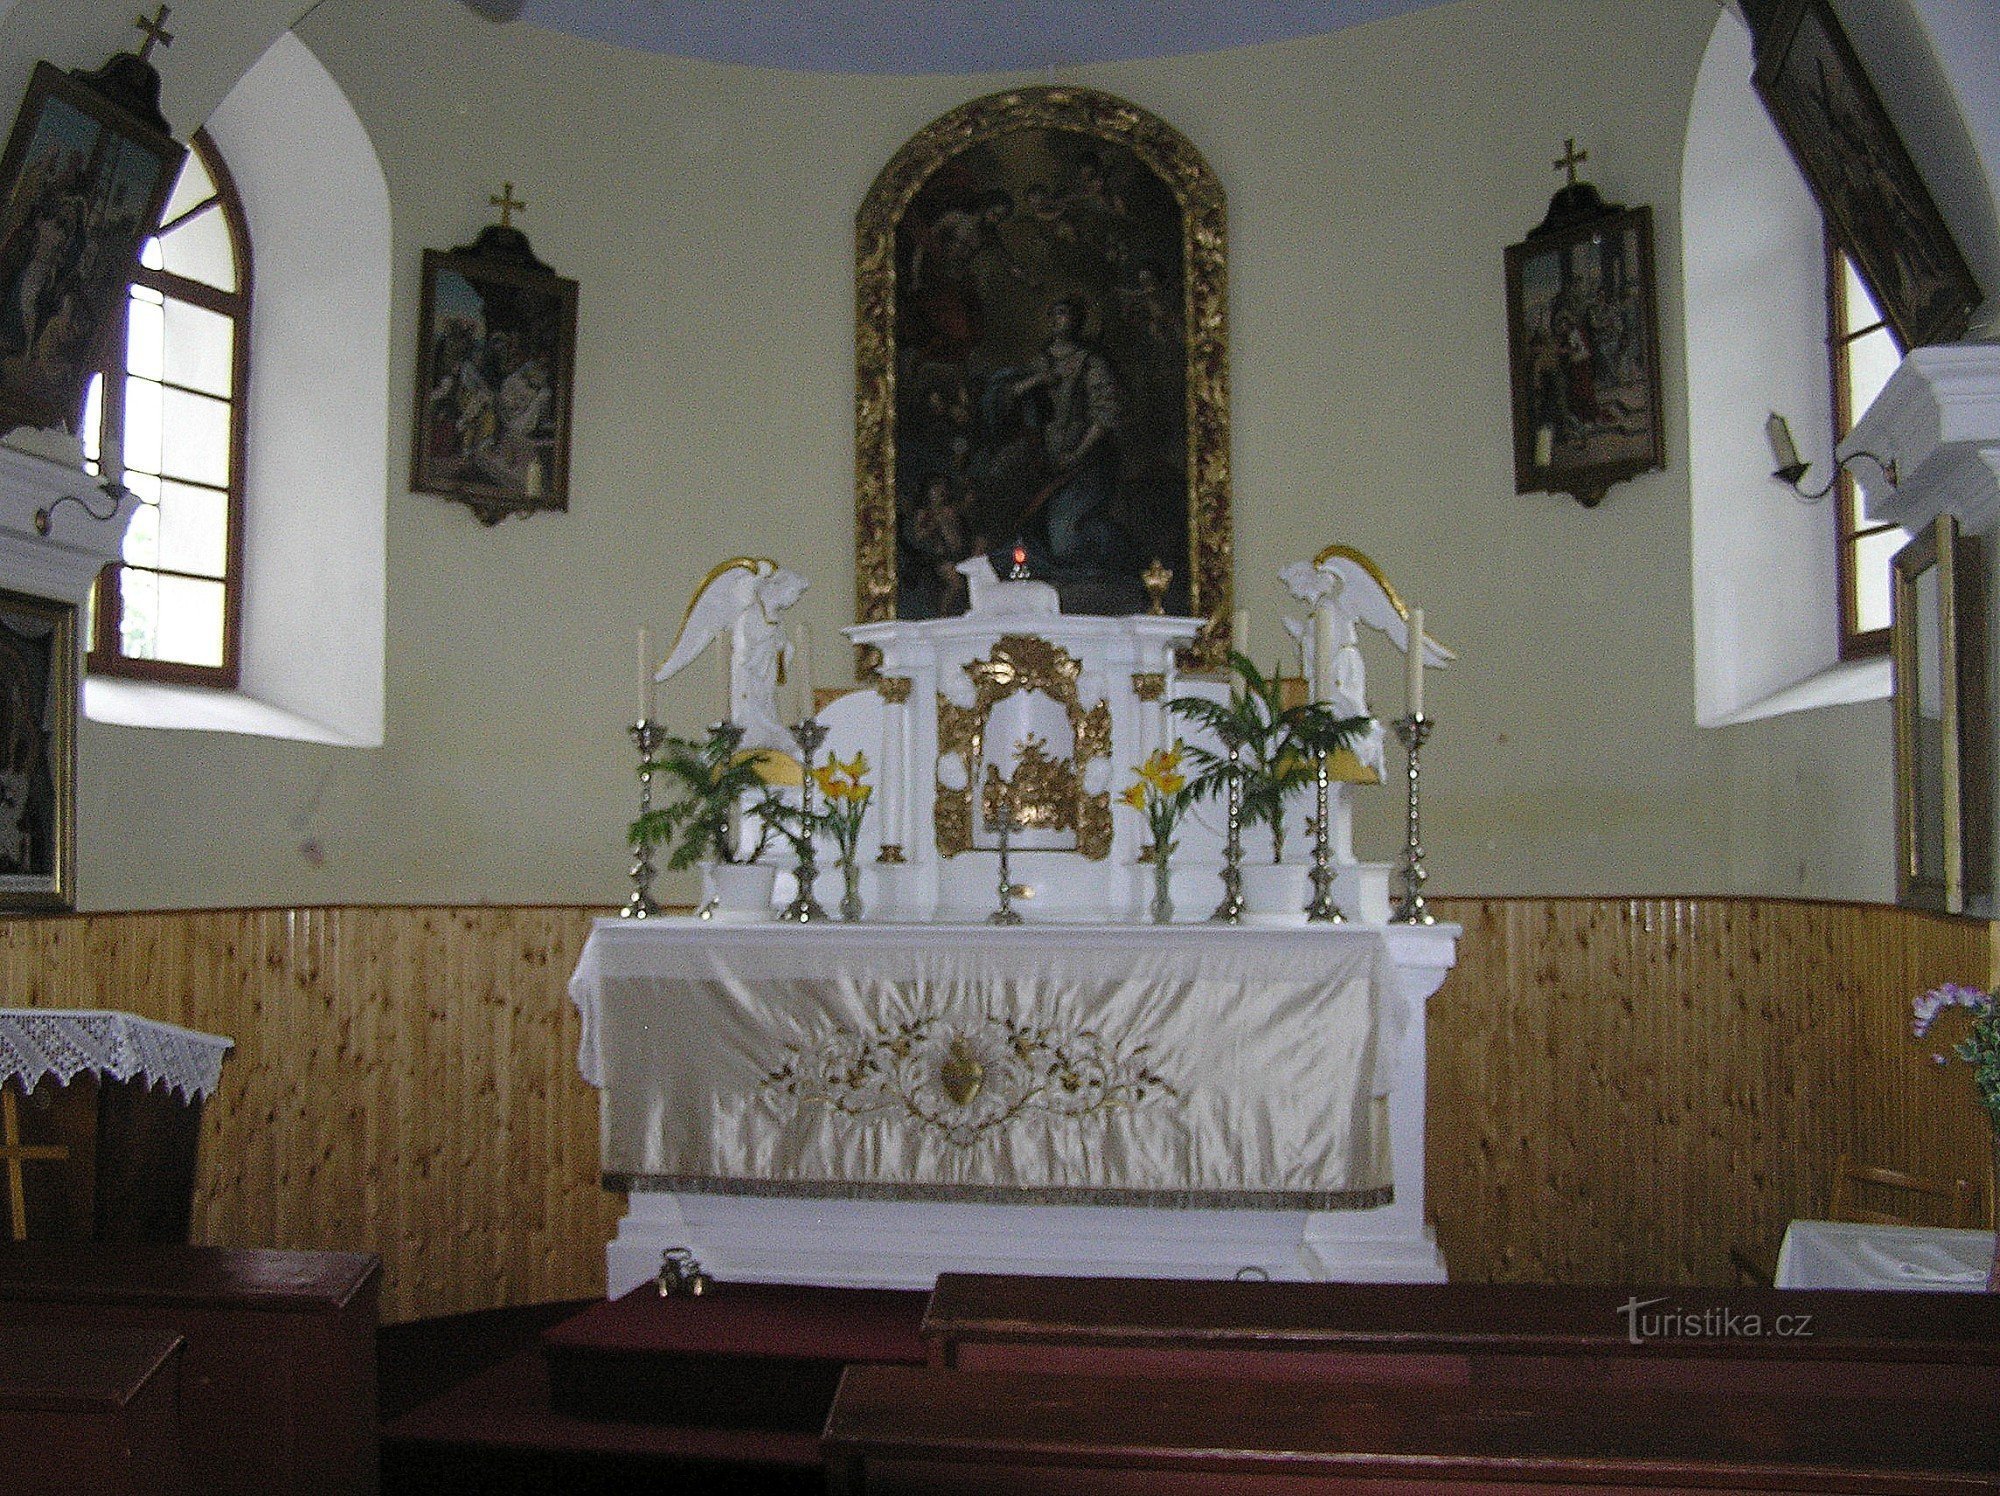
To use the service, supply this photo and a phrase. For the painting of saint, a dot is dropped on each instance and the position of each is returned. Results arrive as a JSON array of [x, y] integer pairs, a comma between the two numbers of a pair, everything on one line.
[[86, 188], [1040, 373], [493, 398], [37, 750]]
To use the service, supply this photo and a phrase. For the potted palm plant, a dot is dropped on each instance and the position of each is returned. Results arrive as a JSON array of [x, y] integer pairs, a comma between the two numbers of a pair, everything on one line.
[[1277, 751], [707, 783]]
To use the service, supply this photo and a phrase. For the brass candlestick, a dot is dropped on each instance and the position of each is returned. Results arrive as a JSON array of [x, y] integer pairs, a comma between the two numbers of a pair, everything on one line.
[[1410, 908], [1230, 910], [1006, 914], [646, 737], [804, 908], [1322, 907]]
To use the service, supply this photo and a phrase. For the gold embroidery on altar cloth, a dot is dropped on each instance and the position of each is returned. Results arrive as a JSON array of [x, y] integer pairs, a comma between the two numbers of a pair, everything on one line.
[[965, 1077]]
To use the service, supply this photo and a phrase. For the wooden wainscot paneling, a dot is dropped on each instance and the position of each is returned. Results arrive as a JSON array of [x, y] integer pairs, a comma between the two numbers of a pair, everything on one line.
[[404, 1082], [1619, 1089]]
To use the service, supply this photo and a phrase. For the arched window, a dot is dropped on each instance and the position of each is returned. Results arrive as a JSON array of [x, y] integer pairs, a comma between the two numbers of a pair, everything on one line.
[[1863, 353], [170, 422]]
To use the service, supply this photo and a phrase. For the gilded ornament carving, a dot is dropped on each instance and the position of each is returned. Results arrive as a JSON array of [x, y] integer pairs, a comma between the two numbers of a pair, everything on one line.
[[893, 689], [966, 1078], [1046, 792], [1042, 793], [1149, 685], [1204, 315]]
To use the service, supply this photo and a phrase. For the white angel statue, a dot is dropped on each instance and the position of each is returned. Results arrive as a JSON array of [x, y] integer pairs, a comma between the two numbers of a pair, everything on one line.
[[1351, 588], [1348, 588], [746, 596]]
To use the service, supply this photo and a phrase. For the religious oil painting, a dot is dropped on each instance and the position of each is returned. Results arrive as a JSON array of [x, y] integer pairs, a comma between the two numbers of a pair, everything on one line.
[[1041, 361], [1847, 148], [1944, 776], [1584, 347], [82, 183], [38, 686], [494, 373]]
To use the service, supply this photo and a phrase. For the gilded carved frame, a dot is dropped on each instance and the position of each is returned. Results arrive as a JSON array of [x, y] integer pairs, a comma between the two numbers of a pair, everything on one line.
[[1944, 774], [1203, 327], [1046, 793]]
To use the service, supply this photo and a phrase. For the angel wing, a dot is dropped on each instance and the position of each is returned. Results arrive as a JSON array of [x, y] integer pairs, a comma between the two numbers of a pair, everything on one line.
[[1366, 596], [717, 603]]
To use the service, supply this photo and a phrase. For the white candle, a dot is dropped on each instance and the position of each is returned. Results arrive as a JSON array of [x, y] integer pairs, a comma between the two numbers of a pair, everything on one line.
[[802, 661], [1413, 686], [723, 643], [1324, 651], [645, 675]]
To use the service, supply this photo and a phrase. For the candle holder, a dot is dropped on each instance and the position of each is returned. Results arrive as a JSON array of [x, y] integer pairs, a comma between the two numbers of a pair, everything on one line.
[[1322, 908], [804, 908], [1006, 914], [1230, 910], [1410, 908], [646, 737]]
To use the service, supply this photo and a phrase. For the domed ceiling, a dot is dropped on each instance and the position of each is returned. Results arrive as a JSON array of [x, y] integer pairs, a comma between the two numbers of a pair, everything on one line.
[[938, 36]]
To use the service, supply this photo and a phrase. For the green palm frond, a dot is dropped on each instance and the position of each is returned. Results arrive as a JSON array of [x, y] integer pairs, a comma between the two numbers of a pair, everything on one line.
[[1277, 746]]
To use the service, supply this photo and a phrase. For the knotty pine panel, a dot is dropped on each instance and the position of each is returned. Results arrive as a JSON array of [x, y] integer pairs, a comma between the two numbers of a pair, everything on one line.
[[404, 1082], [1619, 1089]]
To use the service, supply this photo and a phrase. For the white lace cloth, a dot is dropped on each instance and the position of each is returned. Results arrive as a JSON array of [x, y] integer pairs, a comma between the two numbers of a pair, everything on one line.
[[66, 1042]]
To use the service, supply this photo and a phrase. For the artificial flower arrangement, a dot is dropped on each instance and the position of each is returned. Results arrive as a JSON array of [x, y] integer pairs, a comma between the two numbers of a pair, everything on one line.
[[1161, 792], [844, 788], [1278, 747], [708, 780], [1980, 1047]]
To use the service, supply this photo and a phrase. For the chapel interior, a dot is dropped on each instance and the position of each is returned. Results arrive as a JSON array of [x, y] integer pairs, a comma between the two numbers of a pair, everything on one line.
[[1659, 804]]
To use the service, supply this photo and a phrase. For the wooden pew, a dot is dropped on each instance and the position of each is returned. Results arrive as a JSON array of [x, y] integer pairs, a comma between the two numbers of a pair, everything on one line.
[[896, 1430], [1941, 1346], [93, 1410], [278, 1368]]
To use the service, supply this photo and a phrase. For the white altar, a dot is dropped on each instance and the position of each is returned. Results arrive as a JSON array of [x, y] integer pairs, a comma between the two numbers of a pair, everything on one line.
[[874, 1103]]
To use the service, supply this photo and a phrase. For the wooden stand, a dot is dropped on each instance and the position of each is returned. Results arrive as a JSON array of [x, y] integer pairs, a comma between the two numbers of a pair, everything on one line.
[[278, 1374], [98, 1160], [95, 1412]]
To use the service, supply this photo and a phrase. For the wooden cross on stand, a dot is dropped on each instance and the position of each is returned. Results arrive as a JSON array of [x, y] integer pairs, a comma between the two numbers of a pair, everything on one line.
[[1571, 159], [14, 1153], [508, 204], [156, 32]]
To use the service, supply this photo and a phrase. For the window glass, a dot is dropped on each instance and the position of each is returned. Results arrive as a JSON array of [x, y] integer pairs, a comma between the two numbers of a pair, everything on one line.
[[166, 420], [1863, 354]]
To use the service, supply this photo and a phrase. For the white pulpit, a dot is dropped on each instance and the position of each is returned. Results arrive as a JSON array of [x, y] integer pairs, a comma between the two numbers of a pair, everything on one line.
[[871, 1104]]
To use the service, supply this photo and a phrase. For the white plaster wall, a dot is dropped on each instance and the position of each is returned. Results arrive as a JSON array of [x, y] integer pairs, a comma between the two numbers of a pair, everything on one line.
[[1374, 178], [1766, 589]]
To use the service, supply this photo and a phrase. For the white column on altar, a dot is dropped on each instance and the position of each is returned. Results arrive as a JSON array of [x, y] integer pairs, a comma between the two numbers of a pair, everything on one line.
[[894, 776]]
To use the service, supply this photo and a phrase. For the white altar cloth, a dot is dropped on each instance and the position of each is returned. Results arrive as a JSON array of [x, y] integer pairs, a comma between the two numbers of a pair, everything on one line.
[[996, 1098], [1844, 1254], [1097, 1065], [64, 1043]]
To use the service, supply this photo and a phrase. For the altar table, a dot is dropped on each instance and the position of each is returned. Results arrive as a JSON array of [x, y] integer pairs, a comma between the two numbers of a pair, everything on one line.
[[870, 1104], [1845, 1254]]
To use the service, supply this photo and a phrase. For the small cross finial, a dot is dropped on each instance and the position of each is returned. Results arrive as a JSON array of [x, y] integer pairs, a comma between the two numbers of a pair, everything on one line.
[[508, 204], [156, 32], [1571, 159]]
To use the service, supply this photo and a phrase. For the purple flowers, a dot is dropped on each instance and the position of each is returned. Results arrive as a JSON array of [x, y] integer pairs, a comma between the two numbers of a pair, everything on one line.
[[1925, 1009]]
